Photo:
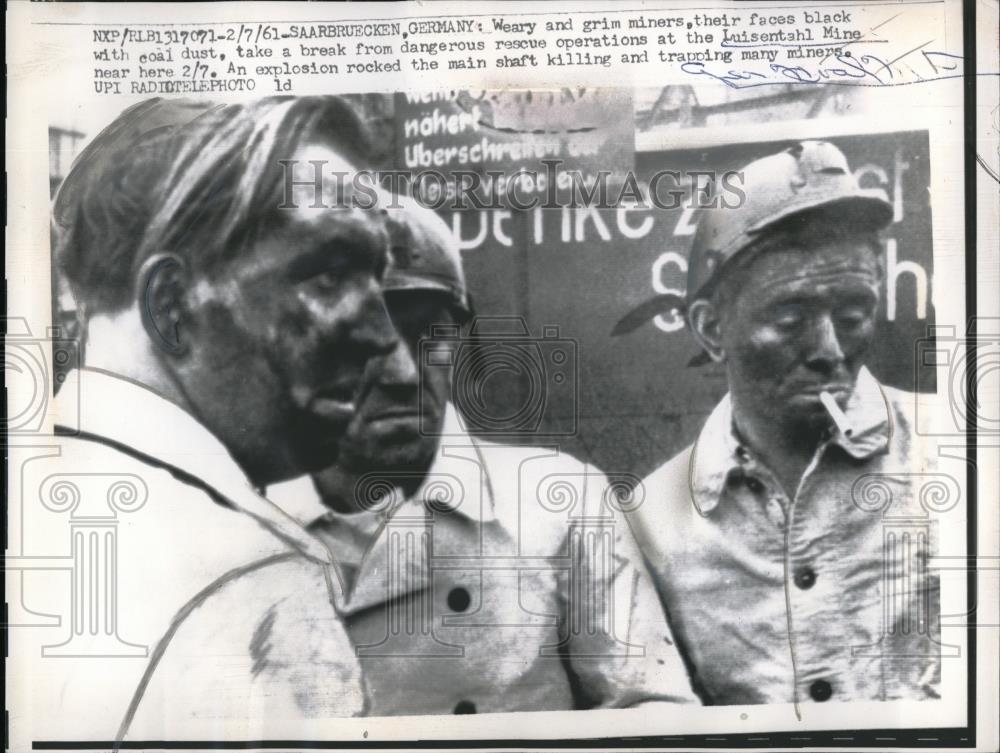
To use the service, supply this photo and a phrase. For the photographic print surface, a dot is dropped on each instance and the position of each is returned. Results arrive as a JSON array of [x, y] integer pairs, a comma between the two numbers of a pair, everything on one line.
[[500, 376]]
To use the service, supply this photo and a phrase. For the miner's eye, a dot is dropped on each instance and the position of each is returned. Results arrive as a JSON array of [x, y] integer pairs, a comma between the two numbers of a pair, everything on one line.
[[788, 315], [853, 316], [326, 279]]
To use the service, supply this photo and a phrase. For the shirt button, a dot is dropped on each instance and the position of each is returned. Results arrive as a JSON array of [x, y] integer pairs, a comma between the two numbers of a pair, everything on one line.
[[754, 485], [805, 577], [465, 707], [820, 691], [458, 601]]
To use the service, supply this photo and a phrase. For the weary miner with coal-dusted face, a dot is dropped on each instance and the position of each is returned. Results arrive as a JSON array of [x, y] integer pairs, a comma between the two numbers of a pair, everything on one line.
[[769, 560], [253, 307], [408, 465], [225, 329], [799, 322]]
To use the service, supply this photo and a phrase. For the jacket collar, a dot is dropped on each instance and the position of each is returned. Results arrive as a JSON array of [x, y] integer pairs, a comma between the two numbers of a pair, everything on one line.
[[458, 484], [107, 408], [719, 450]]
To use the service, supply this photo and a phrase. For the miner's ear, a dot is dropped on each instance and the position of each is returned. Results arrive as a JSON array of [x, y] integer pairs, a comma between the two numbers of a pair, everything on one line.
[[160, 289], [706, 326]]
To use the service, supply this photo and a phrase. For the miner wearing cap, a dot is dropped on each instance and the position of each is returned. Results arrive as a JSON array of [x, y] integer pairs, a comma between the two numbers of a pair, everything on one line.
[[770, 552], [225, 328], [495, 593], [464, 578]]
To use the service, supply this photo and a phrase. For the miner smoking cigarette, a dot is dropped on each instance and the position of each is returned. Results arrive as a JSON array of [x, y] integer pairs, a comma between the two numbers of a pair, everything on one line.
[[838, 416]]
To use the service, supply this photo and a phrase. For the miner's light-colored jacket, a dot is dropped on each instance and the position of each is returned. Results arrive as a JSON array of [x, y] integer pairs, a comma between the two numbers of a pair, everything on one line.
[[133, 511], [848, 554], [477, 593]]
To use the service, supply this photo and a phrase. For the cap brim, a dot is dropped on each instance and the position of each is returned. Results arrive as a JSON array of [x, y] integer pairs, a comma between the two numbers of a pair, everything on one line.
[[416, 285], [866, 210]]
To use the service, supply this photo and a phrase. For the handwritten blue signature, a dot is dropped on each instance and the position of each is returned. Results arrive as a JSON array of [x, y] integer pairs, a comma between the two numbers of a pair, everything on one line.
[[848, 69]]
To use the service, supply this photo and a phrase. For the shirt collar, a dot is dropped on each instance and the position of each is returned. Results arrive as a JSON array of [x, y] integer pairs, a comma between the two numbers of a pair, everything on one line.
[[457, 470], [451, 486], [300, 499], [108, 408], [719, 450], [869, 414]]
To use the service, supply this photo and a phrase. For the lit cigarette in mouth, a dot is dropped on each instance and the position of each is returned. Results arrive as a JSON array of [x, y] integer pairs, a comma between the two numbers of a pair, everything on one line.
[[839, 417]]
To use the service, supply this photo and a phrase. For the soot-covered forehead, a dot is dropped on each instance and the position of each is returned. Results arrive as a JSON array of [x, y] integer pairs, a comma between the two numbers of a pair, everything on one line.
[[841, 236]]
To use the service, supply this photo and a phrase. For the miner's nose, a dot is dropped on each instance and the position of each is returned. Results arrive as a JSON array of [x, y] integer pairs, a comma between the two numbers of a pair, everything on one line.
[[398, 367], [374, 332], [825, 349]]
